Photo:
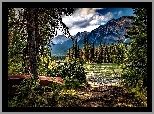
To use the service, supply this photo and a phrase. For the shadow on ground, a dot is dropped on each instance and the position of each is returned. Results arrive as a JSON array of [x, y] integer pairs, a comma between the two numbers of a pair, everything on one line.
[[109, 97]]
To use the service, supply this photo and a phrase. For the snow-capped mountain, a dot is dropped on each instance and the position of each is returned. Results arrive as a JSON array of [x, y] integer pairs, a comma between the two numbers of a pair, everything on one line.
[[59, 39], [113, 31]]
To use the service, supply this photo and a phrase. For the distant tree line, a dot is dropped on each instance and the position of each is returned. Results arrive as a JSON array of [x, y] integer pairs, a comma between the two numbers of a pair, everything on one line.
[[113, 53]]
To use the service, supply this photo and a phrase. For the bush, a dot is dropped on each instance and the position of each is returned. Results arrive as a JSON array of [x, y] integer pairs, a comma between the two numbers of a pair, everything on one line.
[[72, 71], [30, 94], [72, 83]]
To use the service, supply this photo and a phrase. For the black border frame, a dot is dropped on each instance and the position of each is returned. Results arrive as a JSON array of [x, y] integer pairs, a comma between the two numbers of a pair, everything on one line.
[[6, 5]]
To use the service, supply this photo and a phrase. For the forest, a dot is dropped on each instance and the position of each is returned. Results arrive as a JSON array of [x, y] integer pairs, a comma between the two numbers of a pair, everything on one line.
[[109, 75]]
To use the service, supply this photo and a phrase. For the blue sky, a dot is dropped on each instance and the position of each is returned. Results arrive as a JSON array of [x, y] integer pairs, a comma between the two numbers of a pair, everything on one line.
[[87, 19]]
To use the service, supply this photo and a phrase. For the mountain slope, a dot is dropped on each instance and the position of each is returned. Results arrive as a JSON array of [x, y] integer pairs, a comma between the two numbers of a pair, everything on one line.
[[113, 31]]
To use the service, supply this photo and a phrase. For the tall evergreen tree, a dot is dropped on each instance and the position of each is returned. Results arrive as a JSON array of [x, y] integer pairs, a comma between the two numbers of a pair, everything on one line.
[[75, 49], [135, 72], [92, 51], [86, 48]]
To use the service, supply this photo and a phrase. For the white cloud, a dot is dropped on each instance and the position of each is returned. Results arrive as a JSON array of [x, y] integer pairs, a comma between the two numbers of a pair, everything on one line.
[[81, 14], [85, 19], [97, 19], [75, 30]]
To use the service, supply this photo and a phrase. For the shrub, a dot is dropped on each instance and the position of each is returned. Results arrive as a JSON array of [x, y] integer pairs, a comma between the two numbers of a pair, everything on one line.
[[72, 83], [30, 94], [72, 71]]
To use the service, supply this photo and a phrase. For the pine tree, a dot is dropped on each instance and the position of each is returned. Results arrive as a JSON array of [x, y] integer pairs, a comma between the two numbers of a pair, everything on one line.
[[86, 48], [78, 52], [103, 53], [135, 73], [92, 51], [69, 53], [108, 53], [75, 49], [96, 55]]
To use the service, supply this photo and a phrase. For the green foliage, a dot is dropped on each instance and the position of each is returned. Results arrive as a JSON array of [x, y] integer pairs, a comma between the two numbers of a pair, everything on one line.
[[44, 62], [72, 83], [25, 44], [111, 53], [135, 72], [30, 94], [16, 43], [121, 49], [72, 72], [114, 53]]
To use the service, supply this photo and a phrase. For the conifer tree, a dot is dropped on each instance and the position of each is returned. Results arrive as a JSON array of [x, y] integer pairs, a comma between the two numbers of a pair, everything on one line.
[[135, 72]]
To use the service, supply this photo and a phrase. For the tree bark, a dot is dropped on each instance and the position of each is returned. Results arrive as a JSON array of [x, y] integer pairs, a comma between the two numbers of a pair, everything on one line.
[[31, 41]]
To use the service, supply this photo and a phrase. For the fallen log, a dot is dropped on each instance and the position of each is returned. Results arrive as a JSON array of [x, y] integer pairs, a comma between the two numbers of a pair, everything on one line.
[[17, 79], [43, 80]]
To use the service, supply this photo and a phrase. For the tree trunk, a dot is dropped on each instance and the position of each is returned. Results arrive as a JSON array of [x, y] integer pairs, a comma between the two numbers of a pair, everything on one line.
[[31, 40]]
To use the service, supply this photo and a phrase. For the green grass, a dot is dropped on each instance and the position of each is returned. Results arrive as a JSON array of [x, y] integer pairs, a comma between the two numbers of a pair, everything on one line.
[[106, 69]]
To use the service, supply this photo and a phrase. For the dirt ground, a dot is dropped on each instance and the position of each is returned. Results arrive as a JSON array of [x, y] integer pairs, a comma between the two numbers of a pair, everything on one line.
[[110, 96]]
